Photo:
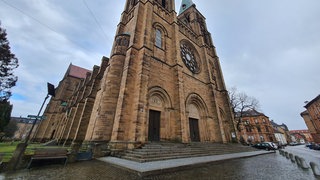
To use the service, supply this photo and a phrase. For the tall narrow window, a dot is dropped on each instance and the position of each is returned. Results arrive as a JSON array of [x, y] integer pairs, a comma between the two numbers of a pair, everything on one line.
[[158, 38], [164, 3], [258, 128]]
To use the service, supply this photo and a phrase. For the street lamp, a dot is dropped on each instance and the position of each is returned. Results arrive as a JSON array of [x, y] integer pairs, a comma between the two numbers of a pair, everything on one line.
[[21, 147]]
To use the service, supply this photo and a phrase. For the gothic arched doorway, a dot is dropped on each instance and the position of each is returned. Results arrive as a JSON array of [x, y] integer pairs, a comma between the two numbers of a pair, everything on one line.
[[159, 105], [197, 118]]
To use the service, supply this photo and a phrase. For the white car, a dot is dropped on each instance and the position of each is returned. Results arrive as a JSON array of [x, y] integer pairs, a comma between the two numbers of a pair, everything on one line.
[[272, 144]]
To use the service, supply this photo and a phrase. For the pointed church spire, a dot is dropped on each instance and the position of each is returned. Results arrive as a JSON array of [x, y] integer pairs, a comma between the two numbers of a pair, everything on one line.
[[185, 5]]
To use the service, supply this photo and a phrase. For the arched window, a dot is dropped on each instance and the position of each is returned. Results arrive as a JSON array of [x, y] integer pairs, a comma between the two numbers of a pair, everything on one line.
[[125, 42], [118, 42], [158, 40]]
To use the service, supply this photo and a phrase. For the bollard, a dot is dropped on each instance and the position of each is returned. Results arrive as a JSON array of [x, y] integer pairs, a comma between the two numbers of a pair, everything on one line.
[[315, 169], [291, 157], [297, 160], [281, 151], [287, 155], [304, 164], [284, 153]]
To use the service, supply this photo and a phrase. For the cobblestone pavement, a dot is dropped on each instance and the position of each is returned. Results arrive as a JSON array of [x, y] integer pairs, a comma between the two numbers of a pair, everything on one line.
[[88, 170], [271, 166], [302, 151], [265, 167]]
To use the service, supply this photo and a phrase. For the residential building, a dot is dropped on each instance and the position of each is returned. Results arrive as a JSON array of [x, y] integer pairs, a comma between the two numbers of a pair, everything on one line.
[[256, 127], [301, 136], [312, 118], [24, 126], [281, 133]]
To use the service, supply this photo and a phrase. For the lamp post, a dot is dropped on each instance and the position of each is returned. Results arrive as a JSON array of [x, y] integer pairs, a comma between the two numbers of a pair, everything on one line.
[[36, 119], [21, 147]]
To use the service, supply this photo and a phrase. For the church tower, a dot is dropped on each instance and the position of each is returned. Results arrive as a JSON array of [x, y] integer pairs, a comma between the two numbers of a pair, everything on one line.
[[163, 81]]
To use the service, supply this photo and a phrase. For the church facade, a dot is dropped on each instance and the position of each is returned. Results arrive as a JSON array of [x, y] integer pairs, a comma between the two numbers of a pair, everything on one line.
[[163, 82]]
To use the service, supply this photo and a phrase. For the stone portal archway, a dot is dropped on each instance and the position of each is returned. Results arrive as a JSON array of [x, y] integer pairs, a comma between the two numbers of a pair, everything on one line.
[[159, 126], [197, 116]]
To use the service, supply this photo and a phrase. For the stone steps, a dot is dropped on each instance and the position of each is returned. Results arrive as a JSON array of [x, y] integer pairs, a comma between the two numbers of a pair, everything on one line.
[[187, 150], [164, 151]]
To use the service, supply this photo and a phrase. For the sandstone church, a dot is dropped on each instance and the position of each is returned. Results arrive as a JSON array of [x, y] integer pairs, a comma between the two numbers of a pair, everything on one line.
[[162, 83]]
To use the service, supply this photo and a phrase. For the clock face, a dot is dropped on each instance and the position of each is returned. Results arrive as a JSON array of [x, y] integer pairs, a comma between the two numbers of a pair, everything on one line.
[[188, 58]]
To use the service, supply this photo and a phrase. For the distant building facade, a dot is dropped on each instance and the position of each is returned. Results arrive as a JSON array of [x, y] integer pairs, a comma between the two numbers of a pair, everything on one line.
[[24, 126], [163, 82], [281, 133], [301, 136], [256, 127], [312, 118]]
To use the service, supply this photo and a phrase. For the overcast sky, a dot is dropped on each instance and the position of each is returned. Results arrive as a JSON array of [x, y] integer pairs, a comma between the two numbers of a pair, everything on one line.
[[268, 49]]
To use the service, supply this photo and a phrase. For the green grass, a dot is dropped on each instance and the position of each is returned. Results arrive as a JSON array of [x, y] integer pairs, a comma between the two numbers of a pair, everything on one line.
[[7, 149]]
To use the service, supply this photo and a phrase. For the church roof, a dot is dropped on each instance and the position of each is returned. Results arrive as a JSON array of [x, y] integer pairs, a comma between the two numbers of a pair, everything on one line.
[[185, 4], [78, 72]]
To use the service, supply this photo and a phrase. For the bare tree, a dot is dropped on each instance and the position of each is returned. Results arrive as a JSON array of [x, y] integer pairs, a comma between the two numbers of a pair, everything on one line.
[[241, 103]]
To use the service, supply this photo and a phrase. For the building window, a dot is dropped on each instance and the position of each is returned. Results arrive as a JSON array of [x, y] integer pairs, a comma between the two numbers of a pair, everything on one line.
[[256, 121], [125, 42], [271, 139], [258, 128], [250, 139], [267, 129], [247, 122], [158, 38], [248, 129], [164, 3], [118, 42]]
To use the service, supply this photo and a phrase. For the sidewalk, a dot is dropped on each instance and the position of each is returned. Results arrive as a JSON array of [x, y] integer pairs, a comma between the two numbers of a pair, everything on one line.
[[157, 167]]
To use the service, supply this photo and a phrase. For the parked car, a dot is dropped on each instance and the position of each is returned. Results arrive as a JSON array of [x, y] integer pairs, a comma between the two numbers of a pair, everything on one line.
[[315, 146], [264, 145], [293, 144], [309, 145], [273, 145]]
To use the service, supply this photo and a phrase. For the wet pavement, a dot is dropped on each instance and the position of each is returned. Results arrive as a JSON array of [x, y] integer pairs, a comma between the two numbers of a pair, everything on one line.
[[271, 166], [304, 152], [170, 165], [92, 170]]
